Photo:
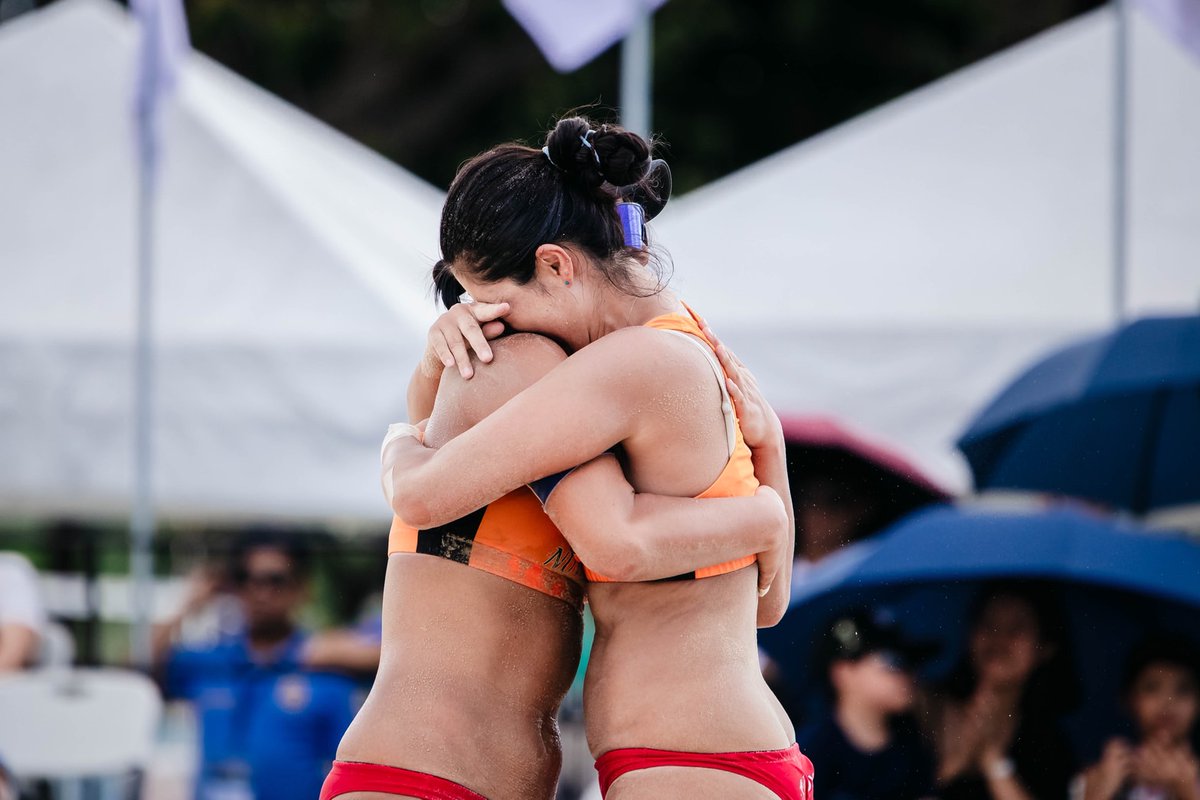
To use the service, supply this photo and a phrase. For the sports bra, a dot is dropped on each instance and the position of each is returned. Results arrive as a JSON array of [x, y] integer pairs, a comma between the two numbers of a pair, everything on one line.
[[511, 538], [736, 479]]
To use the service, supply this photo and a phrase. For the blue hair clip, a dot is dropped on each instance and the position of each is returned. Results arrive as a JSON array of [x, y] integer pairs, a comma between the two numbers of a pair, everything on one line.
[[633, 223]]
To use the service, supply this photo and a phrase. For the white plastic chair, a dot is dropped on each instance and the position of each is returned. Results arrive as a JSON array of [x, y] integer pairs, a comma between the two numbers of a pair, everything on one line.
[[63, 724]]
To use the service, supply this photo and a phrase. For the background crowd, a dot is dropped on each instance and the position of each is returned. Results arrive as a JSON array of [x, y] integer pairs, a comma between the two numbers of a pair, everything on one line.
[[1033, 635]]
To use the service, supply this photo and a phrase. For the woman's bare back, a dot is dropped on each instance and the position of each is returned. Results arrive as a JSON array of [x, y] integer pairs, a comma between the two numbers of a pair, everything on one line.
[[474, 666]]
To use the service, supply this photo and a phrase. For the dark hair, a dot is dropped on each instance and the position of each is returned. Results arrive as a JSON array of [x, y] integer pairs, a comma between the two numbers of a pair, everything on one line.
[[506, 202], [1051, 689], [293, 546], [1160, 649]]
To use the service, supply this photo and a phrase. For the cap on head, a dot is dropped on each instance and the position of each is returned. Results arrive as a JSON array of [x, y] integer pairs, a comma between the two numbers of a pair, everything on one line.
[[859, 633]]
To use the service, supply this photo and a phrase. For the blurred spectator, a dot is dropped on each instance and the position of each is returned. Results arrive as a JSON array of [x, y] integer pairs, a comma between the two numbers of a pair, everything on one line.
[[996, 729], [22, 617], [269, 725], [868, 746], [1161, 692], [831, 513]]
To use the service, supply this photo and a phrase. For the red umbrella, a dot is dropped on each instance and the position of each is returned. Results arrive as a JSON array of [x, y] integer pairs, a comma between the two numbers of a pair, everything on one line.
[[847, 485]]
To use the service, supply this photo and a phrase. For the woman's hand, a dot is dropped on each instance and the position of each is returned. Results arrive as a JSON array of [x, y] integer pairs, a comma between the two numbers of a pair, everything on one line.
[[759, 423], [403, 453], [779, 555], [203, 585], [1105, 779], [458, 331], [1168, 767]]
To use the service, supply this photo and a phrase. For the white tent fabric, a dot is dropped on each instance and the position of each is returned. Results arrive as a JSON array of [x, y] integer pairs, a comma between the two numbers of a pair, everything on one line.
[[291, 296], [898, 269]]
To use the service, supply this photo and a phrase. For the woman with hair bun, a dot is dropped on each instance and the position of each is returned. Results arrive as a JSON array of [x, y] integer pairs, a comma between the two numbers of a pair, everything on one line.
[[482, 614], [675, 704]]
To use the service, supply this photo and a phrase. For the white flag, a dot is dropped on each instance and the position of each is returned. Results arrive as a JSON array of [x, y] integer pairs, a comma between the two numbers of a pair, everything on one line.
[[571, 33], [164, 45], [1180, 18]]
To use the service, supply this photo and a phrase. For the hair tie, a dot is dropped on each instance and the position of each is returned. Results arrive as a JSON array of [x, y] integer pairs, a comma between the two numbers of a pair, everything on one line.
[[546, 153], [587, 142]]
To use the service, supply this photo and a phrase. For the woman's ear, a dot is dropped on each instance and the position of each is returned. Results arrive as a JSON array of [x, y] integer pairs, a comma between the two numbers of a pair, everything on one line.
[[555, 264]]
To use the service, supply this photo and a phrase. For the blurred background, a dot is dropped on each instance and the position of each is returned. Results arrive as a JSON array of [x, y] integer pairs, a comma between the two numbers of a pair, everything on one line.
[[957, 241]]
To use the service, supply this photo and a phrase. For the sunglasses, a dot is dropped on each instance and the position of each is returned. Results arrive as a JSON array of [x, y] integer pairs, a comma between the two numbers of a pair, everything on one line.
[[264, 580]]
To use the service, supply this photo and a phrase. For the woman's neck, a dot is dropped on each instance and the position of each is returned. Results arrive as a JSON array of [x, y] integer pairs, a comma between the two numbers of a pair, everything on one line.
[[616, 310]]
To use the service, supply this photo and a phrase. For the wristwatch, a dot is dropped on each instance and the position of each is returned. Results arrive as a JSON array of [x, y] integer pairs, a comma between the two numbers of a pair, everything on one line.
[[1001, 768]]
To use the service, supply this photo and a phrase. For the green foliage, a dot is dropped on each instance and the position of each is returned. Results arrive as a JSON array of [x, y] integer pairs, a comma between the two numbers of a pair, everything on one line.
[[430, 83], [433, 82]]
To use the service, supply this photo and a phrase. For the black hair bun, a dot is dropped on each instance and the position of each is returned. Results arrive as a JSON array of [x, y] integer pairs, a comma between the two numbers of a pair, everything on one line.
[[653, 191], [594, 156]]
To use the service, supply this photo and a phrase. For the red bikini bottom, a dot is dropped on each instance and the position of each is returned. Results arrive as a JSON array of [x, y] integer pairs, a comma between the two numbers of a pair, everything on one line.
[[788, 773], [352, 776]]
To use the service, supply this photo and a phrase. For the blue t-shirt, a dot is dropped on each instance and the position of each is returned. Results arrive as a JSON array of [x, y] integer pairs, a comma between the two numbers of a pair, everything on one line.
[[901, 771], [272, 727]]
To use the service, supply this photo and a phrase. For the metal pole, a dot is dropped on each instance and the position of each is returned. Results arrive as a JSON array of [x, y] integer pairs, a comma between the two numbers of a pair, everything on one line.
[[1120, 207], [636, 60], [141, 564]]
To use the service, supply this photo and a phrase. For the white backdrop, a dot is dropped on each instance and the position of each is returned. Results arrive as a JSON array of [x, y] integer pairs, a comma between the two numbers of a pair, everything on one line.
[[291, 297], [898, 269]]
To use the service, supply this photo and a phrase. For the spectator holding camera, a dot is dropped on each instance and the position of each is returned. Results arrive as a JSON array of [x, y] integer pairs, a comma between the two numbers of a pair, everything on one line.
[[867, 746], [269, 723], [1161, 692]]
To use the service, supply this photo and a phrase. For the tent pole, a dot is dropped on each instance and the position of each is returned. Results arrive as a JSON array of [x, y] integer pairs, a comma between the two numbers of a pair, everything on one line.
[[1120, 164], [141, 565], [635, 75]]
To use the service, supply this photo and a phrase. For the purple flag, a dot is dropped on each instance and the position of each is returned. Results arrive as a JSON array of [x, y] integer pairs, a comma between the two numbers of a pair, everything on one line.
[[571, 33], [164, 45], [1180, 18]]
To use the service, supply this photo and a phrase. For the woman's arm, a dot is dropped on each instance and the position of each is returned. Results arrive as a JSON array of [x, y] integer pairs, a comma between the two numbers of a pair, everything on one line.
[[615, 531], [599, 397], [18, 646], [627, 536], [764, 435], [461, 329]]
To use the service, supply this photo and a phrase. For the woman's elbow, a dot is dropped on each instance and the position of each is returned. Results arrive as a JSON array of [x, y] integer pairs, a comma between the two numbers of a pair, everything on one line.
[[411, 507], [614, 561], [771, 609]]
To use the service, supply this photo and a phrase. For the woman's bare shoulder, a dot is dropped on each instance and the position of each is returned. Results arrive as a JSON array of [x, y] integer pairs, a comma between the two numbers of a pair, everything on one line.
[[645, 355], [518, 361]]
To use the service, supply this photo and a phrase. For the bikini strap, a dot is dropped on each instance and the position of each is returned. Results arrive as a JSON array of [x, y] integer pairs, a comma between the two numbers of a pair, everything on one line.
[[726, 403]]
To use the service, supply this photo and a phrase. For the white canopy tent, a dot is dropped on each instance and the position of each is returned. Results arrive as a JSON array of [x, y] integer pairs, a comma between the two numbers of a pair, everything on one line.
[[898, 269], [291, 295]]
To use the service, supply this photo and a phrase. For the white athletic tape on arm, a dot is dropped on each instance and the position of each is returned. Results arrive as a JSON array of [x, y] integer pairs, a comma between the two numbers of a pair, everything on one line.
[[395, 431]]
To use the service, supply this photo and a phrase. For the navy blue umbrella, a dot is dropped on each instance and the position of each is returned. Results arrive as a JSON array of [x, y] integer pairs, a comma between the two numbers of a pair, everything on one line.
[[1118, 584], [1115, 419]]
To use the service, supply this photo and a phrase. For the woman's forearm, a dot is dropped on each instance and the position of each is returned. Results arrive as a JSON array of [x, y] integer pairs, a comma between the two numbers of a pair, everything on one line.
[[580, 409], [628, 536], [770, 467]]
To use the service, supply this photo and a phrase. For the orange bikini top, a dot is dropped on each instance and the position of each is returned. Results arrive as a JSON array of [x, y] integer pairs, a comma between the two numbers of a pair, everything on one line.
[[511, 538], [737, 479]]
